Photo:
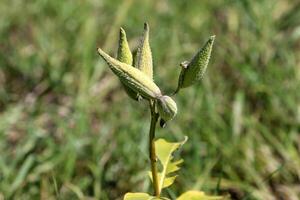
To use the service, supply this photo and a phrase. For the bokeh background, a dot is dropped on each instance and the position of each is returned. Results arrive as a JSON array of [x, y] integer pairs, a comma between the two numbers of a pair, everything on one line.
[[68, 130]]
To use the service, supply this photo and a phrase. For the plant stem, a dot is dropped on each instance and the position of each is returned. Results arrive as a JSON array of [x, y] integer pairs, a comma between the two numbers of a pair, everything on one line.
[[152, 153]]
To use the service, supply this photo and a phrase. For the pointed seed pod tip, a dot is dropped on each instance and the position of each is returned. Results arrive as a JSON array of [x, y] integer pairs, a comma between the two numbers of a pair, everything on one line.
[[143, 59]]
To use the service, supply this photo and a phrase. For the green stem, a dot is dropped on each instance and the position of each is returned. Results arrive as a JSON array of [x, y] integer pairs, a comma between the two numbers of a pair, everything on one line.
[[152, 154]]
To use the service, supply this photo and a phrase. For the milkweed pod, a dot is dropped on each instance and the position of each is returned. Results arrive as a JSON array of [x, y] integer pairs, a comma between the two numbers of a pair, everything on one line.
[[166, 107], [132, 77], [125, 56], [143, 59], [131, 93], [193, 71], [124, 53]]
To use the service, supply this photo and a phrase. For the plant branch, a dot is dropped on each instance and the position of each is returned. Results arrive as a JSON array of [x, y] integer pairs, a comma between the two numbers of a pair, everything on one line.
[[152, 153]]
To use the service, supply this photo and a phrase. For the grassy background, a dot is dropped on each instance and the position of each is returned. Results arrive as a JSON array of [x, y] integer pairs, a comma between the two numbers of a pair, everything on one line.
[[68, 131]]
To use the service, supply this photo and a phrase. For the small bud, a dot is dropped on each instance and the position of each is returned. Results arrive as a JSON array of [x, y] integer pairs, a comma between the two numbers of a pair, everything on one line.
[[166, 108], [193, 71], [143, 59]]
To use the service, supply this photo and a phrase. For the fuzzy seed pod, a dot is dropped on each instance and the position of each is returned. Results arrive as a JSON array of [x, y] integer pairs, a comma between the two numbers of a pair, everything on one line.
[[132, 77], [194, 70], [166, 108], [124, 53], [143, 59], [125, 56]]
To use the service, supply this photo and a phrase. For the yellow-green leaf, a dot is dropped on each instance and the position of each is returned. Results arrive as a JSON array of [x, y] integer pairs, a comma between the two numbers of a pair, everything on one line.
[[197, 195], [141, 196], [143, 60], [169, 181], [137, 196], [164, 151], [173, 166]]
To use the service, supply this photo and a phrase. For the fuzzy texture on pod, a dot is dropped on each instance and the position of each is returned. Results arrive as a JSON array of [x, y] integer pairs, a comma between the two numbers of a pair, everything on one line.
[[132, 77], [143, 59], [166, 107], [193, 71], [125, 56], [124, 53]]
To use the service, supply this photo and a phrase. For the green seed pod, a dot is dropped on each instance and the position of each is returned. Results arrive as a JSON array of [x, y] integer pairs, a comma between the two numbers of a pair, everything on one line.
[[131, 93], [166, 108], [132, 77], [124, 53], [193, 71], [125, 56], [143, 59]]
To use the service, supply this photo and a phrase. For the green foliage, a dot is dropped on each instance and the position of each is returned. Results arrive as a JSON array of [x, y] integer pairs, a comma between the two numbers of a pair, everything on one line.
[[165, 152], [141, 196], [59, 104], [189, 195], [197, 195], [168, 175], [137, 196]]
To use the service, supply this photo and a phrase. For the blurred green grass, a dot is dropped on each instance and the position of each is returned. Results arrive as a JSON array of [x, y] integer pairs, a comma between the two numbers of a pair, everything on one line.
[[68, 131]]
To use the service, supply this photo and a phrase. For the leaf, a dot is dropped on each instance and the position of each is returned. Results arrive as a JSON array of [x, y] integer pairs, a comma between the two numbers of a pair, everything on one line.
[[137, 196], [164, 151], [140, 196], [143, 59], [197, 195]]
